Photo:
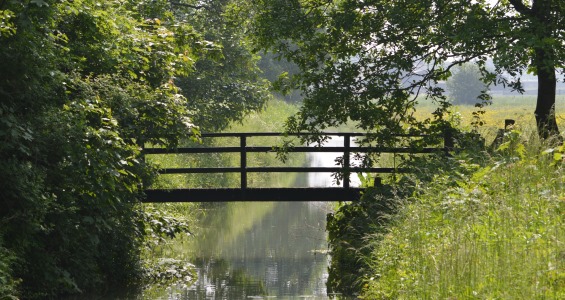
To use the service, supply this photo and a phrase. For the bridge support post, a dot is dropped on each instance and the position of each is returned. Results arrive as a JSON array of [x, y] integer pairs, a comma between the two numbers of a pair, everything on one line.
[[448, 141], [346, 152], [243, 161]]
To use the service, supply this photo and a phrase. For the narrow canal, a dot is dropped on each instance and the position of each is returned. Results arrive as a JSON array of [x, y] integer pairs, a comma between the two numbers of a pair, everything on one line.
[[258, 249]]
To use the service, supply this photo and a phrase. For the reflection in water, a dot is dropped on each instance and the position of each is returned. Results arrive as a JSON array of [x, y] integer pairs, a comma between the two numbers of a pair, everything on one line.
[[282, 255]]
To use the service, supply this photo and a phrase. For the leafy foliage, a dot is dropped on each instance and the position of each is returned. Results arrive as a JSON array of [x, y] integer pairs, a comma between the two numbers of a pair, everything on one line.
[[168, 271], [371, 61], [83, 85], [6, 25], [8, 285], [225, 85], [160, 226], [348, 230]]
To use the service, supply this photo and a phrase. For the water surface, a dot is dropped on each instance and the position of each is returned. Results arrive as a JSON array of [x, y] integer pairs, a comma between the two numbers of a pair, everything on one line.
[[257, 250]]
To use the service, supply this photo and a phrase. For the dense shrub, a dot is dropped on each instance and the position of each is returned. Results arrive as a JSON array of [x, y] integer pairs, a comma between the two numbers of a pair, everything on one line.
[[78, 97], [349, 228], [8, 284]]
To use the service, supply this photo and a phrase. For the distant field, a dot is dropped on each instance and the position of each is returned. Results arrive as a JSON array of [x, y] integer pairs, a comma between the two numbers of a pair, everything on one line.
[[519, 108]]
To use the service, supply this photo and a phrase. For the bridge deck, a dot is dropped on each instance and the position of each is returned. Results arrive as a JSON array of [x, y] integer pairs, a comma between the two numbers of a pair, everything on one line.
[[253, 194]]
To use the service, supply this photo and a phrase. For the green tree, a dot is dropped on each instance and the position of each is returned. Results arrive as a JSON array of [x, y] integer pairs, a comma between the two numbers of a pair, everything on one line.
[[225, 85], [83, 84], [465, 85], [368, 60]]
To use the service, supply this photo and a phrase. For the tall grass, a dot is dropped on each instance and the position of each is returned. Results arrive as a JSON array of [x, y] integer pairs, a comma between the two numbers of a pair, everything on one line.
[[496, 234]]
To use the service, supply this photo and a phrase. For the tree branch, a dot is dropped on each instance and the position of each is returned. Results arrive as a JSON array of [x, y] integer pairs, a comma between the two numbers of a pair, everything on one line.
[[521, 7]]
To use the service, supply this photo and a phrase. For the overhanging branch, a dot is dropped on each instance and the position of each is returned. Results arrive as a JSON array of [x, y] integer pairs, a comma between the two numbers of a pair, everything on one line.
[[521, 7]]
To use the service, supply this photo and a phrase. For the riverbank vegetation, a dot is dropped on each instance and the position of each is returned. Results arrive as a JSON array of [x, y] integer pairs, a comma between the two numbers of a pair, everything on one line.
[[84, 85], [493, 231], [475, 225]]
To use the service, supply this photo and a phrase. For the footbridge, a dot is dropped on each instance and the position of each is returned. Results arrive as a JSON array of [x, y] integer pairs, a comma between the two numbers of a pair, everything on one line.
[[245, 193]]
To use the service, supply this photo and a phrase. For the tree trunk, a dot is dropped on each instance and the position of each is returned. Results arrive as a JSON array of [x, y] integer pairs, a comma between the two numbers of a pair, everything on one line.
[[544, 62], [545, 107]]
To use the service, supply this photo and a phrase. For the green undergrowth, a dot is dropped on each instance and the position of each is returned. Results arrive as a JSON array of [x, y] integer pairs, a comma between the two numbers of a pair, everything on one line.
[[494, 230]]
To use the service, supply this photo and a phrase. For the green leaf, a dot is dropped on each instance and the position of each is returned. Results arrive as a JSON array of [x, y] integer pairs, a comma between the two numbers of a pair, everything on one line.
[[503, 146], [521, 150]]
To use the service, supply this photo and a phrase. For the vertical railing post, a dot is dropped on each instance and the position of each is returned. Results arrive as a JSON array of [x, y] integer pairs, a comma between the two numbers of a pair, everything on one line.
[[448, 142], [243, 159], [346, 145]]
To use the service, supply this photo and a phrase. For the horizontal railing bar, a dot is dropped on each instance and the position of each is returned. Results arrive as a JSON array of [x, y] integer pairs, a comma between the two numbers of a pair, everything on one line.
[[198, 170], [274, 134], [324, 169], [262, 149], [196, 150], [280, 170]]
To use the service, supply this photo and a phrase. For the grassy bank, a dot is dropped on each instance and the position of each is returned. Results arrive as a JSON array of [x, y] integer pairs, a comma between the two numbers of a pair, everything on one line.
[[496, 233]]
